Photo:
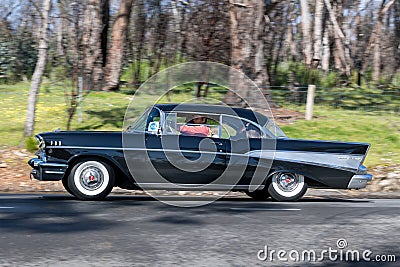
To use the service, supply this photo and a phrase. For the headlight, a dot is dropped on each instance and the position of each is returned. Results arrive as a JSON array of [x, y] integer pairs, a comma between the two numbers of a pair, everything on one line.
[[41, 153], [41, 143]]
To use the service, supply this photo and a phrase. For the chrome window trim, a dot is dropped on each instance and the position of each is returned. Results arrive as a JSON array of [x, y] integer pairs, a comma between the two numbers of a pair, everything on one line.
[[247, 154], [266, 133]]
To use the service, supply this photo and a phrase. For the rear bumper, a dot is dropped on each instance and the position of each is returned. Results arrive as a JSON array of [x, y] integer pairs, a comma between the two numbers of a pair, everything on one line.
[[359, 181], [47, 171]]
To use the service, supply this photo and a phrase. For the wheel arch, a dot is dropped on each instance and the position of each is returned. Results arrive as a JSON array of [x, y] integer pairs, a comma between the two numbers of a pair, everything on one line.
[[119, 173], [309, 179]]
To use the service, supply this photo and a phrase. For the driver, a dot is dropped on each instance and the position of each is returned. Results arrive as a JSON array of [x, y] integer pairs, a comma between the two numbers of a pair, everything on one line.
[[194, 127]]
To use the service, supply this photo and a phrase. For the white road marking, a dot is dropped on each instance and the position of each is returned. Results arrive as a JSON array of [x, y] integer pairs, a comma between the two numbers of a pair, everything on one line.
[[264, 209], [6, 207]]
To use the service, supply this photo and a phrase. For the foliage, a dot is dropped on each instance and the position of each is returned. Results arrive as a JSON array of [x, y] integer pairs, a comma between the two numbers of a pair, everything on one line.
[[31, 144], [7, 53], [26, 54]]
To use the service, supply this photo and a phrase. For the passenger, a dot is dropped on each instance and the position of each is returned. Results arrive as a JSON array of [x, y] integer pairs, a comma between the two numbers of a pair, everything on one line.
[[196, 129]]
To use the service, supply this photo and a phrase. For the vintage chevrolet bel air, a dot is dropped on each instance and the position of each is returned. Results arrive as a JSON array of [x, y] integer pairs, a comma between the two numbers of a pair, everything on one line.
[[198, 147]]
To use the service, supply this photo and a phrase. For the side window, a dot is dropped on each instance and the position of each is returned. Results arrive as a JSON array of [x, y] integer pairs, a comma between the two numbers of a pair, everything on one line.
[[235, 128], [170, 124], [192, 124]]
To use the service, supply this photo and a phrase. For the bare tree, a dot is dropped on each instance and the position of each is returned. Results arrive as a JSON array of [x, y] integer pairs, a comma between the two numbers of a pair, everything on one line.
[[247, 24], [306, 31], [342, 51], [377, 46], [318, 20], [375, 36], [118, 36], [39, 69], [92, 43], [326, 52]]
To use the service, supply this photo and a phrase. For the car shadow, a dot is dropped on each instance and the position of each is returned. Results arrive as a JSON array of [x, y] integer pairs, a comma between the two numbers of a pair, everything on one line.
[[118, 198]]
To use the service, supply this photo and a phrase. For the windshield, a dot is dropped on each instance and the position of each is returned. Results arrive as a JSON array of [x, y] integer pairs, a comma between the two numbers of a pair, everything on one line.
[[140, 124], [274, 129]]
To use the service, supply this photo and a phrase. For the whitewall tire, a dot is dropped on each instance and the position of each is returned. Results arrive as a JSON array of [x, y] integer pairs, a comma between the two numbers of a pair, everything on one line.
[[285, 186], [91, 180]]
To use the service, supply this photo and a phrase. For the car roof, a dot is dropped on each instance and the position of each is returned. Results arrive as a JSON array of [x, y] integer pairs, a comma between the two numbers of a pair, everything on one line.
[[216, 109]]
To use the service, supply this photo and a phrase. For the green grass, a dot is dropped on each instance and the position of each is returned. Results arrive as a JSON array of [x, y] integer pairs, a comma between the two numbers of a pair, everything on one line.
[[382, 131], [100, 110], [105, 111]]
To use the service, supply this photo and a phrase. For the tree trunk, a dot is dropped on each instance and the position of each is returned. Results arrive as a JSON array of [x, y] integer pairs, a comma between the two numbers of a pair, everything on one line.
[[60, 49], [375, 34], [326, 53], [247, 26], [377, 45], [39, 69], [306, 30], [92, 44], [118, 35], [342, 44], [318, 19]]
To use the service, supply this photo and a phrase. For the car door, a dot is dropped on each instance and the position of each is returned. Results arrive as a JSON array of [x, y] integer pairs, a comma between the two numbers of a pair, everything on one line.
[[183, 159], [245, 141], [187, 160]]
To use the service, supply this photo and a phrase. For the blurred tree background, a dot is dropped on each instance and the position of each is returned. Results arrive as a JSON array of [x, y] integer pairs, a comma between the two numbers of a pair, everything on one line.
[[108, 41], [290, 43]]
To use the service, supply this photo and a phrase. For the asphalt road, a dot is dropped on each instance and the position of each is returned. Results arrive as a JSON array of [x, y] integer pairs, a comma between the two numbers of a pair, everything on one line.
[[58, 230]]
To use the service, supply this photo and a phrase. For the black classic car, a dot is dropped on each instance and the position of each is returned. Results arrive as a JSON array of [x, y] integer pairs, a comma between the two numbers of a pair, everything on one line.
[[198, 147]]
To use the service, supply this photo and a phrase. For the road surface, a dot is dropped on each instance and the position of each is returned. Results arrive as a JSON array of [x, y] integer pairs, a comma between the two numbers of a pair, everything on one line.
[[58, 230]]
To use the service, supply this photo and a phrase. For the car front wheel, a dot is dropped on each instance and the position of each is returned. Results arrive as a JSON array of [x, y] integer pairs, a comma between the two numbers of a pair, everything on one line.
[[66, 186], [285, 186], [91, 180]]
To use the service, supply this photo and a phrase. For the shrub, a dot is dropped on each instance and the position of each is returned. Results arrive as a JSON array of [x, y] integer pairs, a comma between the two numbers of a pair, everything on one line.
[[31, 144]]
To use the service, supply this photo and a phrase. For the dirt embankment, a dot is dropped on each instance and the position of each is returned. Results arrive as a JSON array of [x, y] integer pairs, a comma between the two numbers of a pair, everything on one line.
[[14, 173]]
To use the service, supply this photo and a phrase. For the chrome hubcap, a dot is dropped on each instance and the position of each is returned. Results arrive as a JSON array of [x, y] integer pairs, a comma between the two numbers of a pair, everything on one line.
[[287, 182], [91, 178]]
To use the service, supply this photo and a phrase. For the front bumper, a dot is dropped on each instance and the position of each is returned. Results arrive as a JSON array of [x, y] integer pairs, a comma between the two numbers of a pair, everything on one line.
[[47, 171], [359, 181]]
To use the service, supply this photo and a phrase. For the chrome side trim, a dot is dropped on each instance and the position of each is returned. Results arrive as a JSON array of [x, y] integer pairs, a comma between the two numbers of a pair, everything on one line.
[[337, 161], [199, 187], [56, 165], [54, 172], [36, 163], [91, 147], [47, 171], [359, 181], [334, 160]]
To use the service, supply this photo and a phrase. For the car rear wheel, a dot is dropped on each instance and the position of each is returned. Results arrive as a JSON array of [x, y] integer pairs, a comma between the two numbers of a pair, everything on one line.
[[259, 195], [91, 180], [286, 186]]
